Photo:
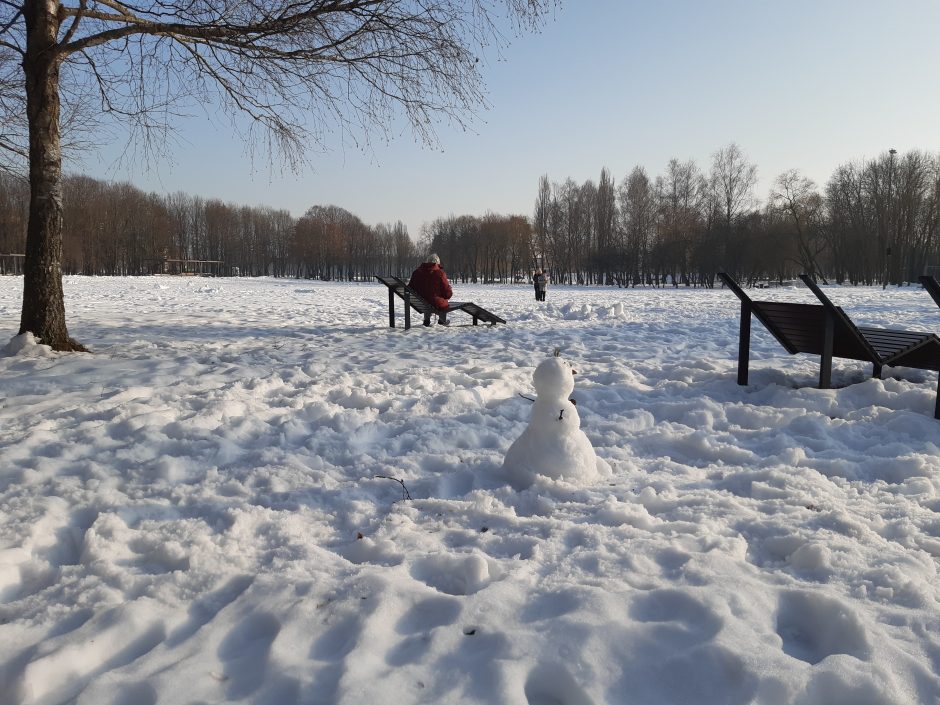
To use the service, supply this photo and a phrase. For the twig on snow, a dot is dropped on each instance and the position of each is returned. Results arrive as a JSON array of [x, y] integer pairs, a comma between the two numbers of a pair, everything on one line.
[[405, 494]]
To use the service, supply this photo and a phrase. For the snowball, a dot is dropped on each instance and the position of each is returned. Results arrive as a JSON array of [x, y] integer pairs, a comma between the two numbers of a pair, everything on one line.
[[454, 575], [554, 378], [378, 551], [811, 557]]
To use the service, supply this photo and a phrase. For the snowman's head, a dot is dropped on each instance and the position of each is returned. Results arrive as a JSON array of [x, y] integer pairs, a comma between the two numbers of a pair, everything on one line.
[[554, 378]]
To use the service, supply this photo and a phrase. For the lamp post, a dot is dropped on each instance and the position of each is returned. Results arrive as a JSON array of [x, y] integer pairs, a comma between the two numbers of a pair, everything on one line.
[[889, 211]]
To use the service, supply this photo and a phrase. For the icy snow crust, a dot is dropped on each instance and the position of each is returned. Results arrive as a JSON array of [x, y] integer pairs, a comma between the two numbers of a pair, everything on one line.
[[180, 512]]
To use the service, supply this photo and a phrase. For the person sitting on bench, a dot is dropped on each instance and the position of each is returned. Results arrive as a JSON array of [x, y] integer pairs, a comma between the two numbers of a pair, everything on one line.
[[430, 283]]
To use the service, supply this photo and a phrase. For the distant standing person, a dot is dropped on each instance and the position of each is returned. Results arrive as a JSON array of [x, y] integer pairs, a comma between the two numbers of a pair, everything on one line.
[[430, 281], [540, 280]]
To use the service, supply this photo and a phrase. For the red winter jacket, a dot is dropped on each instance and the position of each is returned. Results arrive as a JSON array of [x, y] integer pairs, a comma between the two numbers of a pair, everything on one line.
[[431, 284]]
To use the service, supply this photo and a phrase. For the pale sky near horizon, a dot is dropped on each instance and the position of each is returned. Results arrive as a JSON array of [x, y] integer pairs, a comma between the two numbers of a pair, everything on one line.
[[808, 84]]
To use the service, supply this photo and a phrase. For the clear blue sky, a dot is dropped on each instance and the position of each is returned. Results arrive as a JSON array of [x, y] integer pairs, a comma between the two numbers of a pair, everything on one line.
[[806, 84]]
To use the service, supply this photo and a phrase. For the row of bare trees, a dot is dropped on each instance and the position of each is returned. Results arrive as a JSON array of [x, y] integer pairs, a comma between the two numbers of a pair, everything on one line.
[[332, 243], [875, 221], [493, 248], [14, 197], [117, 229]]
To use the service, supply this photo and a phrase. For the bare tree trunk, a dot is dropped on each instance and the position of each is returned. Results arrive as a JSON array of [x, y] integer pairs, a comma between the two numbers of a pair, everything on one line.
[[43, 302]]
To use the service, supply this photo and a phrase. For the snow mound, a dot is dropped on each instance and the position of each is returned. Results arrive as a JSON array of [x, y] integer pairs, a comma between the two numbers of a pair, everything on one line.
[[587, 312], [26, 345]]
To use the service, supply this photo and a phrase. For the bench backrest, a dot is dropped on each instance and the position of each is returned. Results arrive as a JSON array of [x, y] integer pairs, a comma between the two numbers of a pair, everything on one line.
[[797, 327], [932, 287], [418, 302], [847, 334], [405, 292], [748, 307], [801, 328]]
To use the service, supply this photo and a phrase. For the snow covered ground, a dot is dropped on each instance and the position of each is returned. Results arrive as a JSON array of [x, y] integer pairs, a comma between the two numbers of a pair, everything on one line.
[[192, 514]]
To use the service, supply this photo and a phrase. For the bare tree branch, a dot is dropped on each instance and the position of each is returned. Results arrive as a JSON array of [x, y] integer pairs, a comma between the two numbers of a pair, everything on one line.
[[76, 18], [6, 27]]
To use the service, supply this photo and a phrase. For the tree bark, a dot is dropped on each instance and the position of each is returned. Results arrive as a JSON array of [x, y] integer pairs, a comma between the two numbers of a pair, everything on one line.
[[43, 300]]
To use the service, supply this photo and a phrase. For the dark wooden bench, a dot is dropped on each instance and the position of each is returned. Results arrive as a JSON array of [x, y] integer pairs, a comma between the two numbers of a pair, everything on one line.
[[824, 329], [397, 287]]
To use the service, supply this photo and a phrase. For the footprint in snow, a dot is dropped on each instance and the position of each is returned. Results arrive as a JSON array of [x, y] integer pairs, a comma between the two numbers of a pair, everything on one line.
[[813, 626], [245, 651], [680, 618], [136, 694], [338, 640], [417, 624], [428, 614], [551, 684], [205, 608], [551, 605]]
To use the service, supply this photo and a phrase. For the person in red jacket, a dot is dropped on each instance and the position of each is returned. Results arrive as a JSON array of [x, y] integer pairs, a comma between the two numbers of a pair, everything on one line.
[[430, 282]]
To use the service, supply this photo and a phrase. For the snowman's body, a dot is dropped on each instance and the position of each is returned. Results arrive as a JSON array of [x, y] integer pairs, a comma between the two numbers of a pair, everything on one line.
[[553, 444]]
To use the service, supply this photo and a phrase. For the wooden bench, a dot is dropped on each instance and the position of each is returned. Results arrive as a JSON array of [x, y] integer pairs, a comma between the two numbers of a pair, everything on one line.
[[397, 287], [824, 329]]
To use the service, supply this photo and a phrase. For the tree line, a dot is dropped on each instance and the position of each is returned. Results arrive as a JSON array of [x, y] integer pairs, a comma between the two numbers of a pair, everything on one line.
[[874, 222], [118, 229]]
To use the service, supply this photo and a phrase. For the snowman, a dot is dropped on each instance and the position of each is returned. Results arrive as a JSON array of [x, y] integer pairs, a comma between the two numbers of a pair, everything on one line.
[[553, 445]]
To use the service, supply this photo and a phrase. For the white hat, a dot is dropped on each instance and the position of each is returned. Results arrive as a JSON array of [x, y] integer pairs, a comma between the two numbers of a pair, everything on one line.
[[434, 259]]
